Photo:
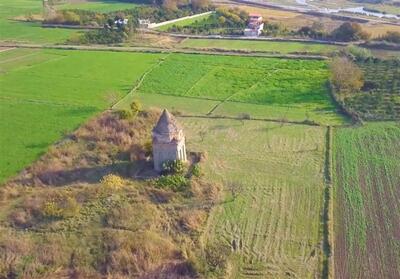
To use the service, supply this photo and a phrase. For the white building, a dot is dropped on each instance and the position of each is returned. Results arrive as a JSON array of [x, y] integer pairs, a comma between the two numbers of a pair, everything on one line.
[[254, 26]]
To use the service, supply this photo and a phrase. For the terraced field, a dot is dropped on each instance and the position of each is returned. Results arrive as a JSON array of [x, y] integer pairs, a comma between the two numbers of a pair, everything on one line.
[[274, 225], [262, 87], [45, 93], [367, 212]]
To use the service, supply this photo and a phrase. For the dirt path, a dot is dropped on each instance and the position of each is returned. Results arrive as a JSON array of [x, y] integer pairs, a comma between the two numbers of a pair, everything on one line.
[[4, 49]]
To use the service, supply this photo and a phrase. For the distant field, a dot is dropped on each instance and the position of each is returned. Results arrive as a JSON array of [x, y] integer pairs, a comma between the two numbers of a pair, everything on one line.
[[281, 89], [280, 47], [27, 32], [46, 93], [98, 6], [275, 222], [367, 212], [185, 22]]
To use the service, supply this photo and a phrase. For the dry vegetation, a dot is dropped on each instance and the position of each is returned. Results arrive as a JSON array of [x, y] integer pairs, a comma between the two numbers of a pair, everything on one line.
[[77, 212]]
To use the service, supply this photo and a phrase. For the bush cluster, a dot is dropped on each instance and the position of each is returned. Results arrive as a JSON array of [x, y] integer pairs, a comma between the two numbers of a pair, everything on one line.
[[176, 183], [112, 181], [173, 167]]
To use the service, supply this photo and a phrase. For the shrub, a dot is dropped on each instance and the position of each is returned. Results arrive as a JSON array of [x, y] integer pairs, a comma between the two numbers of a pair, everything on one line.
[[51, 210], [176, 183], [358, 53], [124, 114], [61, 207], [173, 167], [196, 171], [136, 107], [112, 181]]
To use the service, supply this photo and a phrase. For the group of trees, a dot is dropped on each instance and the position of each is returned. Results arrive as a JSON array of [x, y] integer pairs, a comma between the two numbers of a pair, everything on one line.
[[349, 31], [346, 32]]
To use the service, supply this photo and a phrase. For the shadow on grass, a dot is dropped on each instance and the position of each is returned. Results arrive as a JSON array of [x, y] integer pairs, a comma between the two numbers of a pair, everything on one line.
[[90, 175]]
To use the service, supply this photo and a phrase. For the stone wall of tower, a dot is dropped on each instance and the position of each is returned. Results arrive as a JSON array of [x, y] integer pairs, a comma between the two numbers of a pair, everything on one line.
[[163, 152]]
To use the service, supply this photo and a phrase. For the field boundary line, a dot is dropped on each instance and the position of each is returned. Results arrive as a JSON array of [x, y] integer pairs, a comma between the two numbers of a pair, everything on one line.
[[215, 68], [327, 218], [19, 57], [7, 49], [140, 82]]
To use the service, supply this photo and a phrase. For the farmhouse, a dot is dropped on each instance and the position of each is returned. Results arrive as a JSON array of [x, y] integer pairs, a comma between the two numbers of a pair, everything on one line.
[[168, 141], [254, 26]]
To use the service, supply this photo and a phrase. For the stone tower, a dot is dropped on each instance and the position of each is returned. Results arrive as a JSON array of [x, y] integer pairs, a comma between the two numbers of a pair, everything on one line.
[[168, 141]]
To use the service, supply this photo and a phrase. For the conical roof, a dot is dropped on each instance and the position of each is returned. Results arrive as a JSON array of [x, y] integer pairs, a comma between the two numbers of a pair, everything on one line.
[[167, 124]]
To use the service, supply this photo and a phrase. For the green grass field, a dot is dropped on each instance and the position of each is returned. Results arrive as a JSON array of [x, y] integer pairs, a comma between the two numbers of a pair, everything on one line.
[[45, 93], [367, 213], [279, 47], [98, 6], [185, 22], [275, 222], [265, 88], [12, 30]]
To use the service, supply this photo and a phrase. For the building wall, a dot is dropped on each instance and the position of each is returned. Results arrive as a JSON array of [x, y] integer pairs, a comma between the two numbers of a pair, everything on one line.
[[163, 152]]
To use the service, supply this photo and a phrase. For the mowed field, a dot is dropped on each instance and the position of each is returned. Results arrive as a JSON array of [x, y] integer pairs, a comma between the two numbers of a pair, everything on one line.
[[45, 93], [280, 89], [274, 225], [252, 45], [367, 211]]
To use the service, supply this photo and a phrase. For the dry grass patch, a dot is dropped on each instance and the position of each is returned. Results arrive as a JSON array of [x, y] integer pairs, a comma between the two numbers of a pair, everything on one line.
[[77, 212]]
